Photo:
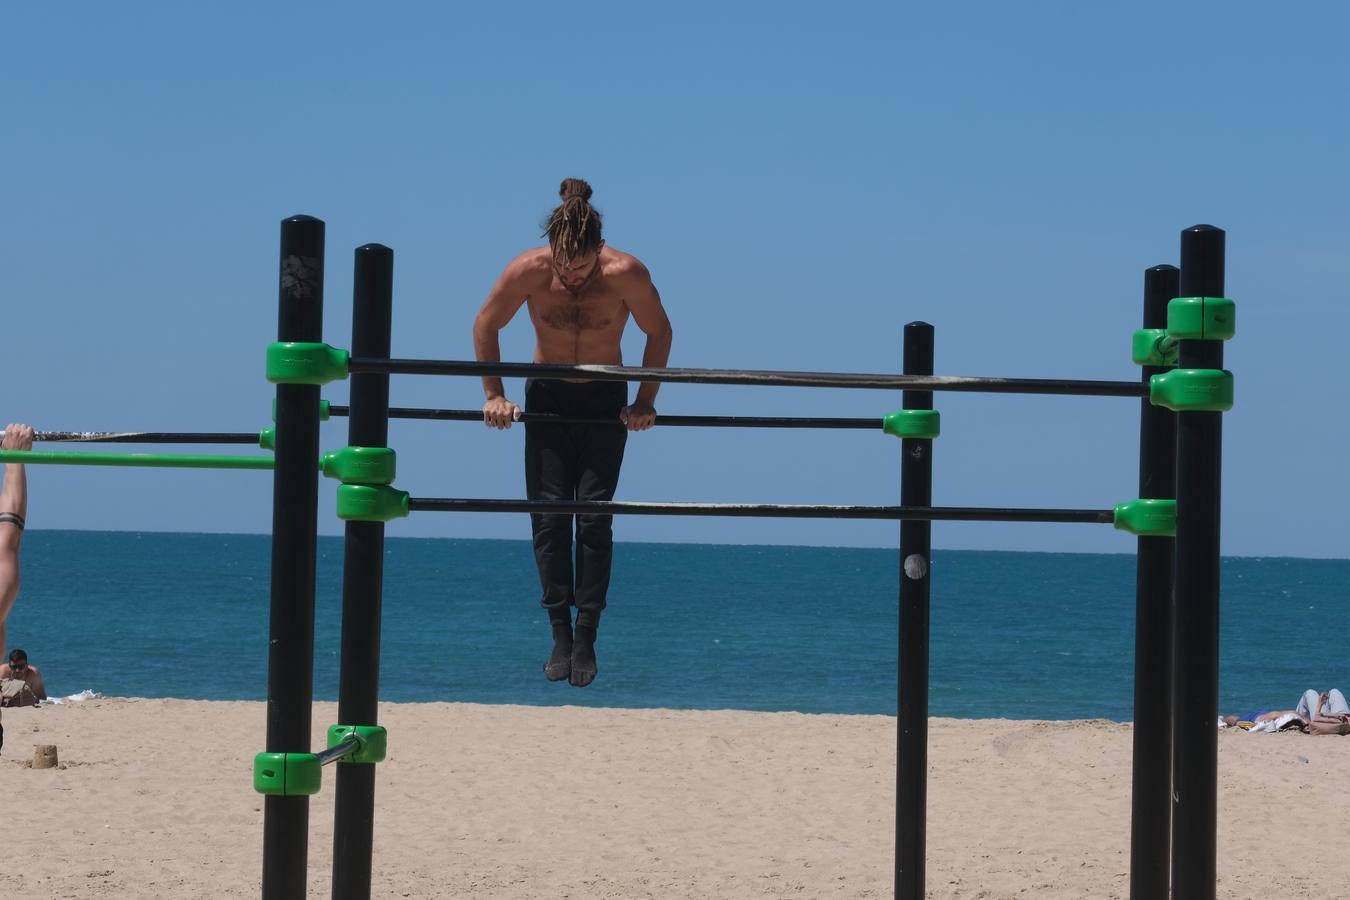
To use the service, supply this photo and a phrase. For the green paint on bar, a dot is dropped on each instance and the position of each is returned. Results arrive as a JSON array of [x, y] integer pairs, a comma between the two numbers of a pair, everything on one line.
[[137, 460]]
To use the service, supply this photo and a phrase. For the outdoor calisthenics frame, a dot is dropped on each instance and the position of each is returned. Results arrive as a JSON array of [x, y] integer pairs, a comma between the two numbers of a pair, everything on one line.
[[1198, 391], [1174, 742]]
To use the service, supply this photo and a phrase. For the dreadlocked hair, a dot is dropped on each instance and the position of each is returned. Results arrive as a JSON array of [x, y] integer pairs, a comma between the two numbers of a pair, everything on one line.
[[573, 228]]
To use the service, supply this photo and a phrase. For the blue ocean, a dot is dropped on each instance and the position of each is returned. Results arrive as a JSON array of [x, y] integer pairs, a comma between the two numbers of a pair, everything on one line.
[[693, 626]]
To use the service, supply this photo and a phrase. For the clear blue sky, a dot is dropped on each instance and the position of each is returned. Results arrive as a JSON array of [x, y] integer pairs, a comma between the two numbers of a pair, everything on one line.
[[802, 180]]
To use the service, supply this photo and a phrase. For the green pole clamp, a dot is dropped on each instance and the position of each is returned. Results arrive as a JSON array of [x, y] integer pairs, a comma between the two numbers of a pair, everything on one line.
[[1154, 347], [290, 362], [1201, 318], [370, 503], [324, 414], [373, 739], [913, 423], [360, 465], [287, 774], [1192, 390], [1147, 518], [267, 438]]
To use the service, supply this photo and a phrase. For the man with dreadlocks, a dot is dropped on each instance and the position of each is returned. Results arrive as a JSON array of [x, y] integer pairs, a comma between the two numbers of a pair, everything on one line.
[[580, 293]]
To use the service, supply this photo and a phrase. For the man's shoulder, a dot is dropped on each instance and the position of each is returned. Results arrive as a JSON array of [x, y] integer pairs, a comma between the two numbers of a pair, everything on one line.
[[527, 270], [533, 260], [624, 265]]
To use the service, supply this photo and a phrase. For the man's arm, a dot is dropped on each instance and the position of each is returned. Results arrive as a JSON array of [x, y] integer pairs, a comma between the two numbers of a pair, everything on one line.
[[500, 307], [9, 582], [35, 682], [13, 512], [14, 496], [644, 302]]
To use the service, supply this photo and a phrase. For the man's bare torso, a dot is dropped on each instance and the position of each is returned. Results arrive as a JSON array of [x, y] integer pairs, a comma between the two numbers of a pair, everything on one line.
[[581, 327], [30, 676]]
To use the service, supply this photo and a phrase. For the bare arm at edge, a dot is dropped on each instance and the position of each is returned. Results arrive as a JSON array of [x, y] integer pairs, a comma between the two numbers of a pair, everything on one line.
[[13, 499], [14, 496]]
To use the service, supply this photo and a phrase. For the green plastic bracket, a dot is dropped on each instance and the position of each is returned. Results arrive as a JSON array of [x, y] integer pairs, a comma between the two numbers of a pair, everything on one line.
[[267, 438], [291, 362], [1201, 318], [324, 414], [1153, 347], [374, 742], [1147, 518], [287, 774], [913, 423], [360, 465], [1192, 390], [370, 503]]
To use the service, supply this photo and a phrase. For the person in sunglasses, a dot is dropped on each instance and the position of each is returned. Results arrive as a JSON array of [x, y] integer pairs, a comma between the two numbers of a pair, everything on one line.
[[21, 683]]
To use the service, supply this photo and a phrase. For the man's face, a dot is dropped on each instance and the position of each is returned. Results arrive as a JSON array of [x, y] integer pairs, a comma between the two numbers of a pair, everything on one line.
[[574, 274], [18, 666]]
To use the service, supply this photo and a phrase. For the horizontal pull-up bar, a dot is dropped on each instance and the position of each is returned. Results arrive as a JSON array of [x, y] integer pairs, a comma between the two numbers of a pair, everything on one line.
[[475, 415], [149, 437], [969, 384], [453, 415], [764, 510]]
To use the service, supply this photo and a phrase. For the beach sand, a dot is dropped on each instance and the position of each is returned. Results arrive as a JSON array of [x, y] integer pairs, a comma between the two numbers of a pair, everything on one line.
[[154, 798]]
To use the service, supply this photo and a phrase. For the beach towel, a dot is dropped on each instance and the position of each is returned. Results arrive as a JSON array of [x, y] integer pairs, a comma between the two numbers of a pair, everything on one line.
[[1288, 720]]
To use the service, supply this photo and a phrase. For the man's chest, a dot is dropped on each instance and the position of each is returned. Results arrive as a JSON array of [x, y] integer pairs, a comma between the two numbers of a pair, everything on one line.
[[589, 311]]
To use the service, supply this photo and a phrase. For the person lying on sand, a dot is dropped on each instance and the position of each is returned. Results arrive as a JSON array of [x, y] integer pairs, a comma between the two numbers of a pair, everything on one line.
[[1258, 717], [1324, 713]]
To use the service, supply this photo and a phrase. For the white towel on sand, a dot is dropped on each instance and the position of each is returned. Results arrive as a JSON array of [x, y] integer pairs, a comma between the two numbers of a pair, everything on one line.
[[1288, 720]]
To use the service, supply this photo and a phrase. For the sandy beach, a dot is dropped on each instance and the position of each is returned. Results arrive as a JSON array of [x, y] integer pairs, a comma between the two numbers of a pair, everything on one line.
[[154, 798]]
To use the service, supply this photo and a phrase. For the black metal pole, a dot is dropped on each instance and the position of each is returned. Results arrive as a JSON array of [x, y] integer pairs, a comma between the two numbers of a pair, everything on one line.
[[964, 383], [362, 581], [1151, 813], [911, 774], [295, 492], [1199, 454]]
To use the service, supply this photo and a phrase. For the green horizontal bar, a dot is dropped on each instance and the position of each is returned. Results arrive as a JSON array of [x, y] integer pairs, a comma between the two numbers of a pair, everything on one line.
[[139, 460]]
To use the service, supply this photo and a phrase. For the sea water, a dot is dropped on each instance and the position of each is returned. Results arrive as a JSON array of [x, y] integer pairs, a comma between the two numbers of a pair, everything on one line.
[[694, 626]]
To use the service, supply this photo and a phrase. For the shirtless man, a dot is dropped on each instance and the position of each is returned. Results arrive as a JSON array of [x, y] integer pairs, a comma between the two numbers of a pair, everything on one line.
[[13, 509], [580, 293], [19, 669]]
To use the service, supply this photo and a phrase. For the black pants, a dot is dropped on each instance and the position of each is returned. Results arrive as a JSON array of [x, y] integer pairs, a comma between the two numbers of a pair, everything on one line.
[[574, 462]]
